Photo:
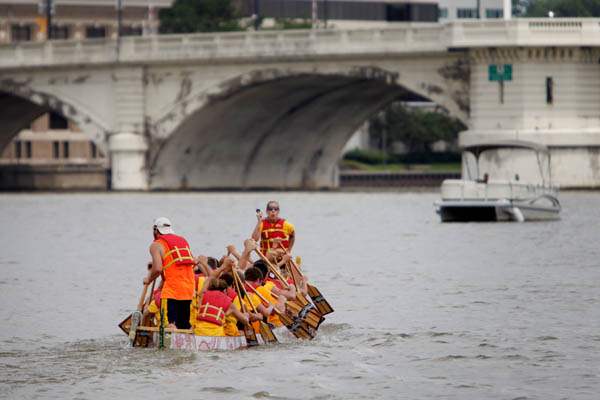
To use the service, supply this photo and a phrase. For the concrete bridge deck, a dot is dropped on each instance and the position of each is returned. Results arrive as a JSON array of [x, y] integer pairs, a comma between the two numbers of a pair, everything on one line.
[[274, 108]]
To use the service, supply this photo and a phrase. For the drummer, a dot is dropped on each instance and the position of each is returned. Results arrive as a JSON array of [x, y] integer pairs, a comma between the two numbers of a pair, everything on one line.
[[273, 227]]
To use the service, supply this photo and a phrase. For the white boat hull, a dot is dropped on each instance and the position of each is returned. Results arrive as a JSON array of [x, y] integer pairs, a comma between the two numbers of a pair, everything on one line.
[[464, 200], [193, 343]]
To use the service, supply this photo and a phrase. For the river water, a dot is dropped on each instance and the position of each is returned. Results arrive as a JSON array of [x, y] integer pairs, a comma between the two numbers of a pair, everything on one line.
[[424, 310]]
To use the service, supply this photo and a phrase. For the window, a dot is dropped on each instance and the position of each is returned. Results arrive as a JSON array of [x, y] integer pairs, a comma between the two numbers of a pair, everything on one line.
[[466, 13], [493, 13], [18, 151], [57, 121], [55, 150], [93, 150], [60, 32], [95, 31], [66, 149], [131, 31], [443, 13], [28, 151], [20, 33], [549, 90]]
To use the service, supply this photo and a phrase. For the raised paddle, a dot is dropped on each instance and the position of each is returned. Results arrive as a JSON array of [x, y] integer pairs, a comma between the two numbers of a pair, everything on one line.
[[266, 332]]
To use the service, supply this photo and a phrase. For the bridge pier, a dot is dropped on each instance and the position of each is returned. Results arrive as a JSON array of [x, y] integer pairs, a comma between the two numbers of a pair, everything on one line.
[[128, 161]]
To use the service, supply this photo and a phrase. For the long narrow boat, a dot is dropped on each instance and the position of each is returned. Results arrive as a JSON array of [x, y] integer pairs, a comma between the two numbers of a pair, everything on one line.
[[149, 337]]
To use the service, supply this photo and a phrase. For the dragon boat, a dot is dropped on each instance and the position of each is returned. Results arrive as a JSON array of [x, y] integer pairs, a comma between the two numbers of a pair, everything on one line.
[[184, 339]]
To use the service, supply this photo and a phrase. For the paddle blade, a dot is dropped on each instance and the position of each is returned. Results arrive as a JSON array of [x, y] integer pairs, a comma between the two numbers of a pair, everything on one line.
[[296, 327], [136, 318], [322, 305], [251, 339], [125, 324], [266, 332]]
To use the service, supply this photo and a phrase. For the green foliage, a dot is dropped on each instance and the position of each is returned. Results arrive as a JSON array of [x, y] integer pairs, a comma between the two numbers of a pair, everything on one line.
[[187, 16], [417, 129], [564, 8], [370, 157], [292, 24], [374, 157]]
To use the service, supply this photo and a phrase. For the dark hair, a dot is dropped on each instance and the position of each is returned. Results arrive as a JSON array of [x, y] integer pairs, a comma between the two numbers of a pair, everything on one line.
[[262, 266], [227, 278], [213, 263], [253, 274], [217, 284]]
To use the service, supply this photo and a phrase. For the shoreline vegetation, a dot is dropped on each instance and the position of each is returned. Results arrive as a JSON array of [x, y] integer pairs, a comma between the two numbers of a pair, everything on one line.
[[353, 165]]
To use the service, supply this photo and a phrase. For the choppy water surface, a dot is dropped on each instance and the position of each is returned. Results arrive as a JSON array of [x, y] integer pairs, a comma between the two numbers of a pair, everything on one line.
[[423, 310]]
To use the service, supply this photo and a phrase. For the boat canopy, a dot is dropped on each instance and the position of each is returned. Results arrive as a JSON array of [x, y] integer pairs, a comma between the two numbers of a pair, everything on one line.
[[479, 148]]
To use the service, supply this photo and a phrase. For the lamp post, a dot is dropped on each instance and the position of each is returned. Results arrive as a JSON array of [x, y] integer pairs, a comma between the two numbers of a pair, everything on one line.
[[119, 18], [48, 19]]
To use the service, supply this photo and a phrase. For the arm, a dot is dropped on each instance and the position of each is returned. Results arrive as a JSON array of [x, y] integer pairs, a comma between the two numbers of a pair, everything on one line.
[[154, 272], [292, 240], [243, 318], [266, 311], [289, 293], [256, 232], [249, 246]]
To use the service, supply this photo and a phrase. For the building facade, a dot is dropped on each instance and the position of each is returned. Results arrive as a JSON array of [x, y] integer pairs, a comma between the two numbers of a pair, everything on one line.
[[53, 153]]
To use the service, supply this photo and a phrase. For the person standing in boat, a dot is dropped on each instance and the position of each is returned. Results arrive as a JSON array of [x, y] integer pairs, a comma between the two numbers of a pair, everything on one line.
[[172, 258], [273, 227]]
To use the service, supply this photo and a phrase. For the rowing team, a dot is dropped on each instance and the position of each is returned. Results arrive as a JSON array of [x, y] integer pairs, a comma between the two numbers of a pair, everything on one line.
[[203, 293]]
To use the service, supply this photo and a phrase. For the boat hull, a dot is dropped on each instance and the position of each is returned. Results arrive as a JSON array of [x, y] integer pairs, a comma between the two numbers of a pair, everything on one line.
[[495, 210], [193, 343]]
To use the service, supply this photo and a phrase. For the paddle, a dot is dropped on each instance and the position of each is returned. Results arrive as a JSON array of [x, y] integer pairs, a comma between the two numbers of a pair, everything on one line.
[[266, 332], [315, 294], [251, 339], [301, 307], [296, 328], [136, 316]]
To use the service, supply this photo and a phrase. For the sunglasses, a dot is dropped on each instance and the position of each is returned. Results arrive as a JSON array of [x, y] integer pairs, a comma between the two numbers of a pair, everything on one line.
[[273, 209]]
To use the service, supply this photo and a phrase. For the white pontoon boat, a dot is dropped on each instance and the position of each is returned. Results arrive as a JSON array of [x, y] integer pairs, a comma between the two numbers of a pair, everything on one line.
[[488, 199]]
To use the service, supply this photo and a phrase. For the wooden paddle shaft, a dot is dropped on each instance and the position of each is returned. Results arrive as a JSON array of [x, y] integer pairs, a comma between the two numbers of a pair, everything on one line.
[[272, 268], [143, 298]]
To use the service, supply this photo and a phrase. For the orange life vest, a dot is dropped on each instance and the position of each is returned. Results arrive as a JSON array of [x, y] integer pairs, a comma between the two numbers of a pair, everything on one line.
[[270, 231], [213, 307], [177, 268]]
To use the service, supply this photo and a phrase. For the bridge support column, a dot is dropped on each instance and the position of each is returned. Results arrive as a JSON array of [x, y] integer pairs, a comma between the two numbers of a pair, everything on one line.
[[128, 161]]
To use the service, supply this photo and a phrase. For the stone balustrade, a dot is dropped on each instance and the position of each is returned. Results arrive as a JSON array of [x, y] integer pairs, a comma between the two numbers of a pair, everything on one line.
[[401, 39]]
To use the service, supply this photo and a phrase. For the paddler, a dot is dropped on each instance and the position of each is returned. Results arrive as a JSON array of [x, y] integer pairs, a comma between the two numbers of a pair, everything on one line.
[[215, 307], [172, 258], [273, 227]]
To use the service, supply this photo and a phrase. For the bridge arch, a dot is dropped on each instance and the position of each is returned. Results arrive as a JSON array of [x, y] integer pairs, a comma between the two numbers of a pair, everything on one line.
[[20, 104], [273, 128]]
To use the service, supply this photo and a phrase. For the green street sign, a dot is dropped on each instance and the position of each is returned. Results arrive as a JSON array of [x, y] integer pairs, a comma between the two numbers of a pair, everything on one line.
[[498, 73]]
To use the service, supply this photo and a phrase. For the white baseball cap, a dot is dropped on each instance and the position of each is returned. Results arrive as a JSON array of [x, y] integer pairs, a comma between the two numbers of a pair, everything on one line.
[[163, 225]]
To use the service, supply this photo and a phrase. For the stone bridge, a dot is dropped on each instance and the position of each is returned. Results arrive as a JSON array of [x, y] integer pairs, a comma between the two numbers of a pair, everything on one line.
[[273, 109]]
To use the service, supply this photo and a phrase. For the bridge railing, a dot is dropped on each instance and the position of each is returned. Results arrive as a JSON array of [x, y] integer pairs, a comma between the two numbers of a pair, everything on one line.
[[526, 32], [236, 45], [400, 39]]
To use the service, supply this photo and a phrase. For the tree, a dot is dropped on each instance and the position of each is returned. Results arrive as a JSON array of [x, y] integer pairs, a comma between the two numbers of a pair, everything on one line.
[[564, 8], [417, 129], [187, 16]]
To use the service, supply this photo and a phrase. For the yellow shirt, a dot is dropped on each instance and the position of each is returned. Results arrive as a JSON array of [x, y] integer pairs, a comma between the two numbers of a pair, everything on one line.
[[265, 291], [255, 302], [204, 328], [194, 305], [230, 328]]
